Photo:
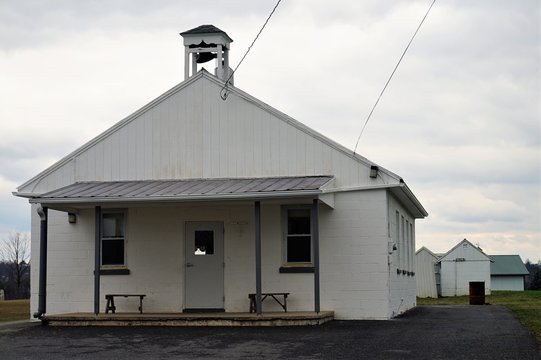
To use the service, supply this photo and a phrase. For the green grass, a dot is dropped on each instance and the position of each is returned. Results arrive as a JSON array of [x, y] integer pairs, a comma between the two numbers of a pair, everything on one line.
[[12, 310], [526, 305]]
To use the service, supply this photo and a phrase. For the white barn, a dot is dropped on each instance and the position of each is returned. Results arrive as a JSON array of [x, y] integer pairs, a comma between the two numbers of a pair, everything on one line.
[[196, 202], [426, 273], [461, 265], [507, 272]]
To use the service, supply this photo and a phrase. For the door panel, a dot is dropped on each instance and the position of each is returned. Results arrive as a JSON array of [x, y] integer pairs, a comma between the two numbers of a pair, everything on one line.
[[204, 265]]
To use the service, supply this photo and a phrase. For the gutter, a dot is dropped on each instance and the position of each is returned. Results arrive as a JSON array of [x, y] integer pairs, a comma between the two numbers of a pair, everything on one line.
[[116, 199]]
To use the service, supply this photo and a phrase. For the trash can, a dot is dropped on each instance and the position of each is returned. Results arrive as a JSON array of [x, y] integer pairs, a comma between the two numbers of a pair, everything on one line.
[[477, 292]]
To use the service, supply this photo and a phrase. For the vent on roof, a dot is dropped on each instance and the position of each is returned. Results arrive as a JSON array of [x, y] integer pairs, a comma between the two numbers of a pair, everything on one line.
[[205, 43]]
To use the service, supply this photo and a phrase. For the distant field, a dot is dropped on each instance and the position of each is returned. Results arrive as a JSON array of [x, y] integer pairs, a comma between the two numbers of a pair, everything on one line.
[[526, 305], [11, 310]]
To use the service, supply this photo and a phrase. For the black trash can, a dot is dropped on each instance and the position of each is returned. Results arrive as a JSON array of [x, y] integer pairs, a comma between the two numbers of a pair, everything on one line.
[[477, 292]]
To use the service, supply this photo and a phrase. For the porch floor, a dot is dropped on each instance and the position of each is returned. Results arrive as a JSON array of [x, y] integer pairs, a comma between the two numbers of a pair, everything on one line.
[[294, 318]]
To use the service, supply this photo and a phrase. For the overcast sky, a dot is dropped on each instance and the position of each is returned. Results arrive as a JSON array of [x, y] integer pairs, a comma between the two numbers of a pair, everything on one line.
[[460, 122]]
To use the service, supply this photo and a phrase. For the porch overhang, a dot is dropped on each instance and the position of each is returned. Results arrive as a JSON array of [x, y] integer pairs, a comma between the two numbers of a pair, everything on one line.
[[175, 191]]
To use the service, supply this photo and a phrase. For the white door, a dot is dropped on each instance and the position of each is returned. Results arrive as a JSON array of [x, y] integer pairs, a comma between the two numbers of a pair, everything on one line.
[[204, 265]]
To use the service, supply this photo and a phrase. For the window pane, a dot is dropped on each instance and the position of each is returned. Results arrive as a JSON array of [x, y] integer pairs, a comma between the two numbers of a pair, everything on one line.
[[298, 249], [298, 221], [113, 225], [112, 252], [204, 242]]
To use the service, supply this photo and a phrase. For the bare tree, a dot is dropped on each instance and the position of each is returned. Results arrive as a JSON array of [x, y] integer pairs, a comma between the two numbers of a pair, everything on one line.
[[16, 254]]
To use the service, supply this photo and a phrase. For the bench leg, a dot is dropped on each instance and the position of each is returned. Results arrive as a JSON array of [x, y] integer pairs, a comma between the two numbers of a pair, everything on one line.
[[110, 305], [252, 304], [140, 305]]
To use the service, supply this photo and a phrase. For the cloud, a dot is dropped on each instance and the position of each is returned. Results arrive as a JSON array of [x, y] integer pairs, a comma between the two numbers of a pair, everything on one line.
[[460, 121]]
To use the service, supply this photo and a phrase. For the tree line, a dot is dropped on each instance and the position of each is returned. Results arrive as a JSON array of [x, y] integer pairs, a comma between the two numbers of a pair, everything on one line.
[[15, 266], [533, 281]]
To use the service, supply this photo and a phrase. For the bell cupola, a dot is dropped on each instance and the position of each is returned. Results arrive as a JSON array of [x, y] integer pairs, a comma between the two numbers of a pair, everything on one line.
[[205, 43]]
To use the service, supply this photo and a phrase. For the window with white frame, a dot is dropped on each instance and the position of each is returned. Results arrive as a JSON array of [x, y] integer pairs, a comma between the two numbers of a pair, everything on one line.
[[113, 238], [297, 235]]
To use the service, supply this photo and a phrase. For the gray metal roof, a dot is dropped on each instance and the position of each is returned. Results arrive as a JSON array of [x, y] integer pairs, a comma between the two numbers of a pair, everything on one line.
[[186, 189], [507, 265], [205, 29]]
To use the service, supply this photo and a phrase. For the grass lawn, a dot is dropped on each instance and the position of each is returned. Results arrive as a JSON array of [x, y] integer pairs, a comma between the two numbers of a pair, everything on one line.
[[526, 305], [11, 310]]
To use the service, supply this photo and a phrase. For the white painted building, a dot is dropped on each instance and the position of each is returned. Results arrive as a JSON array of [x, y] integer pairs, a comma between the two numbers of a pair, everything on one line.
[[507, 272], [426, 273], [196, 202], [461, 265]]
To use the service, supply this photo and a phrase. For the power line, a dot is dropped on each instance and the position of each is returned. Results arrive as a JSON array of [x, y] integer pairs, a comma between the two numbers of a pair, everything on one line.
[[223, 92], [390, 77]]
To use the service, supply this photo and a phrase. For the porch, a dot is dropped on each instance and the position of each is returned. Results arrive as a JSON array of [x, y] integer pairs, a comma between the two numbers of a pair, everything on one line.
[[190, 245], [295, 318]]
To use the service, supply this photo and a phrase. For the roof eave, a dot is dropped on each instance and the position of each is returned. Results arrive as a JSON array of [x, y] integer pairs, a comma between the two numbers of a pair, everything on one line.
[[183, 198]]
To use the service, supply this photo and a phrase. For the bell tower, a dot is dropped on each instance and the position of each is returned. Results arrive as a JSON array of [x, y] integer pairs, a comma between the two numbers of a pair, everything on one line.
[[204, 43]]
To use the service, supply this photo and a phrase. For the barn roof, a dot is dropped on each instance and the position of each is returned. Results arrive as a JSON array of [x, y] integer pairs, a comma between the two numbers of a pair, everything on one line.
[[507, 265]]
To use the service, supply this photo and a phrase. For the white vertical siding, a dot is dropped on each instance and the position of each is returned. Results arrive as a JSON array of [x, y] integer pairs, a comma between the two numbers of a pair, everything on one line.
[[460, 266], [425, 274], [194, 134], [510, 283]]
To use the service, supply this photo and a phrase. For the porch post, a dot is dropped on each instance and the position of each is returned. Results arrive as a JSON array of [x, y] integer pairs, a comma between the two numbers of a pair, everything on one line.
[[42, 297], [97, 261], [258, 257], [315, 243]]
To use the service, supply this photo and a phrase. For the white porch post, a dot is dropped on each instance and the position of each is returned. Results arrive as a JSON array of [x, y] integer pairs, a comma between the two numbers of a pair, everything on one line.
[[97, 260], [220, 68], [315, 243], [258, 257], [194, 64], [186, 63]]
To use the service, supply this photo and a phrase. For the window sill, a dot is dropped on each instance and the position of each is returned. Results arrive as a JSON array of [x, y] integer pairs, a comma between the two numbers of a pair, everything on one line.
[[296, 269], [115, 271]]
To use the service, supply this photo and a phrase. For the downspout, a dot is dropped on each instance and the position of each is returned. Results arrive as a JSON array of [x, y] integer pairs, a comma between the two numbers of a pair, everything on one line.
[[42, 212]]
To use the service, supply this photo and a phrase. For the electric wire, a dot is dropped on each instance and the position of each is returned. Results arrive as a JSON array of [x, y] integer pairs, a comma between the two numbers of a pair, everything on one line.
[[392, 74], [224, 90]]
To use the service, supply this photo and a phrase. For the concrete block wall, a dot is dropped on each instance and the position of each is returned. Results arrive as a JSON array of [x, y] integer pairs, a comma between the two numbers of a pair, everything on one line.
[[70, 262], [354, 277], [353, 259], [402, 287]]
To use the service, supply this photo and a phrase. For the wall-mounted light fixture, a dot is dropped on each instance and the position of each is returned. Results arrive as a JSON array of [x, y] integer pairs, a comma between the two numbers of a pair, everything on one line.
[[72, 218], [374, 171]]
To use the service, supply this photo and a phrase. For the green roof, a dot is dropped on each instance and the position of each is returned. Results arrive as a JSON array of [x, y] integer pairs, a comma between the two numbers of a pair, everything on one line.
[[507, 265]]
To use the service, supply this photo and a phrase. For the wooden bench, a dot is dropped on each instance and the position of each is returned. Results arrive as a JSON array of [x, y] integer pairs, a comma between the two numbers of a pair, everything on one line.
[[111, 301], [272, 295]]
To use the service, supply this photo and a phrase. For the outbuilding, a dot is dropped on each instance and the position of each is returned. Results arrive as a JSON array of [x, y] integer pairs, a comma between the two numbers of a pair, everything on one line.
[[463, 264], [207, 194], [427, 272], [507, 272]]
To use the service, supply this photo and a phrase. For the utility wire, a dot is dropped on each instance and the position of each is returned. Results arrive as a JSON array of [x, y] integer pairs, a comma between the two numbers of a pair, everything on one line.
[[390, 77], [224, 91]]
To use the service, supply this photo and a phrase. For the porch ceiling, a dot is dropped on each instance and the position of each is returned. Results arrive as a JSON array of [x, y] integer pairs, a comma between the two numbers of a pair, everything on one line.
[[184, 190]]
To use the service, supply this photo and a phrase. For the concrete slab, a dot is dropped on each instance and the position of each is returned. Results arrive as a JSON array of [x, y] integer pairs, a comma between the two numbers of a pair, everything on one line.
[[296, 318]]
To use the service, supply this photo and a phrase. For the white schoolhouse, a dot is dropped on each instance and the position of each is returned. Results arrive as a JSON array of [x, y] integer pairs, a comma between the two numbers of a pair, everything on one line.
[[196, 201]]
